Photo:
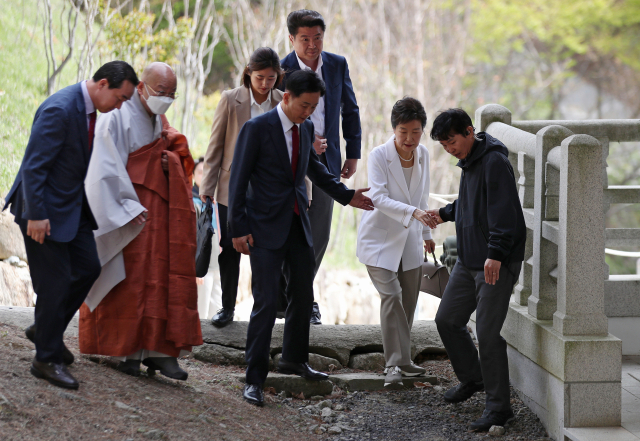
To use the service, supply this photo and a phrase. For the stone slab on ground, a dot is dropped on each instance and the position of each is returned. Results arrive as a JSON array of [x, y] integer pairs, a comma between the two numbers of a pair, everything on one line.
[[317, 362], [599, 434], [371, 382], [293, 384], [221, 355], [333, 341], [23, 317]]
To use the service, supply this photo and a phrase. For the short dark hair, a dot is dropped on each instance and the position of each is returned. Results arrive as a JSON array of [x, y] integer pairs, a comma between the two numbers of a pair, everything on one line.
[[262, 58], [450, 122], [408, 109], [305, 81], [304, 18], [116, 72]]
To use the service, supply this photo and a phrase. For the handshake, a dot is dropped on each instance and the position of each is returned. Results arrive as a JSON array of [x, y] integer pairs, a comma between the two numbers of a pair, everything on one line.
[[428, 218]]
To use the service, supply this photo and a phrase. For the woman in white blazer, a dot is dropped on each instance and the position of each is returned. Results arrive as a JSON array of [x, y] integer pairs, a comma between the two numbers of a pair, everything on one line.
[[390, 237]]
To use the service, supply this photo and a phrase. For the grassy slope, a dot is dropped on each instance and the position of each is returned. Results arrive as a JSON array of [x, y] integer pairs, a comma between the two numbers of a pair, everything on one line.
[[23, 77]]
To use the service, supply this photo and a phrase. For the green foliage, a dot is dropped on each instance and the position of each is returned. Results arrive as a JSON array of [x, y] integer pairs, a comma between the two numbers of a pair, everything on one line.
[[23, 80], [130, 37]]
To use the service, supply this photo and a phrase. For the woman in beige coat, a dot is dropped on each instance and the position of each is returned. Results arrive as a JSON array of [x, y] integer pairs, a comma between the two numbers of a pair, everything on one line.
[[256, 95]]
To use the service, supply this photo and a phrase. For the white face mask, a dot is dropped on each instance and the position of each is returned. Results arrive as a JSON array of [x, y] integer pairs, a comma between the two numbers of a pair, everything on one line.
[[158, 104]]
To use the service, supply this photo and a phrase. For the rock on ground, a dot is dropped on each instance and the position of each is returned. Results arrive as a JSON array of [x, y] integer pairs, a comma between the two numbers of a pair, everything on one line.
[[333, 341], [373, 362], [15, 286], [11, 240], [220, 355]]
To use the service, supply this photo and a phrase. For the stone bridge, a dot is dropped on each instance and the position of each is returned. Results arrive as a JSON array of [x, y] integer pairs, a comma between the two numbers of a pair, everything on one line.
[[570, 322]]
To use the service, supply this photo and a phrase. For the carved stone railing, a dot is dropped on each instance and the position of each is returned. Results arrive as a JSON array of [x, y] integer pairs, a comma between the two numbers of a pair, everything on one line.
[[557, 327]]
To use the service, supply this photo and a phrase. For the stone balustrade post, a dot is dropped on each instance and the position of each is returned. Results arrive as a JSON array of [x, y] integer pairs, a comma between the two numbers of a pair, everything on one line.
[[542, 302], [580, 309]]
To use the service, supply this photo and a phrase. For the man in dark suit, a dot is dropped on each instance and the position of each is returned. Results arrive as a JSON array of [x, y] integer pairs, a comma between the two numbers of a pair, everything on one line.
[[306, 33], [51, 208], [268, 220]]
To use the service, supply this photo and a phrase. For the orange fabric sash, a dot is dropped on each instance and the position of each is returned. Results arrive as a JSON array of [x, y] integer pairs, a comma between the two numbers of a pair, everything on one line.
[[155, 307]]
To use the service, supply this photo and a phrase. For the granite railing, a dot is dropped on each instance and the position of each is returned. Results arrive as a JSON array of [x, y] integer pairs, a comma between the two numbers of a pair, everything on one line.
[[560, 349]]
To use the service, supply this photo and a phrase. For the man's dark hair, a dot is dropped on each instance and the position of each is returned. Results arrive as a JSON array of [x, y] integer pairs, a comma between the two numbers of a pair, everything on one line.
[[450, 122], [116, 72], [304, 81], [304, 18], [262, 58], [408, 109]]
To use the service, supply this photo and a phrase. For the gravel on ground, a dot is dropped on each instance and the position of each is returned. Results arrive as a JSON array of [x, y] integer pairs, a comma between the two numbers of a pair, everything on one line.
[[113, 406]]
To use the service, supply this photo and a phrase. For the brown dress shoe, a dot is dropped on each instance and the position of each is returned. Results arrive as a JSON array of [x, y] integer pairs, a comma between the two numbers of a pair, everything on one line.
[[67, 356], [55, 373]]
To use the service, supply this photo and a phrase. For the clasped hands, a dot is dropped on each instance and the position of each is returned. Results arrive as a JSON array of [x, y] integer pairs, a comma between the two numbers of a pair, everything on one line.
[[428, 218]]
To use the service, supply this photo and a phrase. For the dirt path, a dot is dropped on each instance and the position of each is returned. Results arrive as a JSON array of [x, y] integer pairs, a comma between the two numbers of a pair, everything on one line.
[[113, 406]]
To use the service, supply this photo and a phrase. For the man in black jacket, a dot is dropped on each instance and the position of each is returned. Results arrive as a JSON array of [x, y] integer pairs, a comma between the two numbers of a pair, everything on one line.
[[491, 236]]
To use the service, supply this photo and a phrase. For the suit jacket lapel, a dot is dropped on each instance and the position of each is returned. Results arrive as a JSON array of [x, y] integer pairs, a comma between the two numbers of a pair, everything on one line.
[[416, 175], [83, 129], [327, 76], [243, 106], [395, 168], [280, 143]]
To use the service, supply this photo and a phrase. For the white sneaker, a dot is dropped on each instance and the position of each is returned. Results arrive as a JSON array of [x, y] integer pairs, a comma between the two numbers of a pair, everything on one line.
[[412, 370], [393, 377]]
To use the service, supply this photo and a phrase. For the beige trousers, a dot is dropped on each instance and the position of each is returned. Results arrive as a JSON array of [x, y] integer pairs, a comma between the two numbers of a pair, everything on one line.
[[399, 297]]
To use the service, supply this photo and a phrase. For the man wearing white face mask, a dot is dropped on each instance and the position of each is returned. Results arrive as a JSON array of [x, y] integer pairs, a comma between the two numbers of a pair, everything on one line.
[[143, 308]]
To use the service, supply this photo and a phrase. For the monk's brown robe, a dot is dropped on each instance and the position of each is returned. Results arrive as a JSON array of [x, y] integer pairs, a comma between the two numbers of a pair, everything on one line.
[[156, 306]]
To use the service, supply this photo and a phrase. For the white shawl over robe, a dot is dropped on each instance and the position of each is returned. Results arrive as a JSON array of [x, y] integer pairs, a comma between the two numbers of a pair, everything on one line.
[[109, 189]]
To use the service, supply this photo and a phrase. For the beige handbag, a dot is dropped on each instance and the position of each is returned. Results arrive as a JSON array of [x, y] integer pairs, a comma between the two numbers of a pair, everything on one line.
[[434, 277]]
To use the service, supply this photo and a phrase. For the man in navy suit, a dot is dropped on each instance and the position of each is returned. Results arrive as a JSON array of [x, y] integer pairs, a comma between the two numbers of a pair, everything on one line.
[[51, 208], [268, 220], [306, 33]]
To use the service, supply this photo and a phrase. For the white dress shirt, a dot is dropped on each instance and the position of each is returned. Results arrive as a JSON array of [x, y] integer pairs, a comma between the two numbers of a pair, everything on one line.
[[317, 117], [88, 104], [259, 109], [286, 127]]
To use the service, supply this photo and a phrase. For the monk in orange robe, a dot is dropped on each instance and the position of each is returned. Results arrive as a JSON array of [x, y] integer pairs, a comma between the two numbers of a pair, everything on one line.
[[144, 306]]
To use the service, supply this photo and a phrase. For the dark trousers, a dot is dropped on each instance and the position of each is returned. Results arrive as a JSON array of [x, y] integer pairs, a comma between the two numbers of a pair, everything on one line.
[[62, 275], [320, 213], [466, 292], [229, 261], [296, 257]]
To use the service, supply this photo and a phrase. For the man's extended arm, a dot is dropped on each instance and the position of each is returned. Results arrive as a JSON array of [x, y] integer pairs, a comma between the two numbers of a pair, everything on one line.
[[47, 138], [328, 183]]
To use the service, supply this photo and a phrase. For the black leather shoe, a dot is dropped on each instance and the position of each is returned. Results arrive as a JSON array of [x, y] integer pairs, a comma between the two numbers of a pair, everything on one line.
[[168, 366], [491, 418], [462, 392], [315, 315], [67, 356], [222, 318], [129, 367], [55, 373], [253, 394], [301, 369]]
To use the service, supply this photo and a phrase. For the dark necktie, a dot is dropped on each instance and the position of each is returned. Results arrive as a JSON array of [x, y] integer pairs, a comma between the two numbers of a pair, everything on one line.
[[92, 127], [295, 150]]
